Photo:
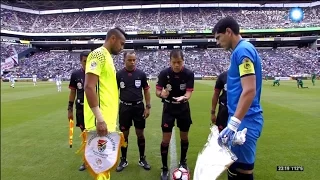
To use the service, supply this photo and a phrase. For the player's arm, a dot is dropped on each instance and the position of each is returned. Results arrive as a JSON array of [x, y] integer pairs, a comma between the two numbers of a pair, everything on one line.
[[189, 86], [217, 90], [248, 83], [72, 94], [160, 84], [146, 90], [93, 71]]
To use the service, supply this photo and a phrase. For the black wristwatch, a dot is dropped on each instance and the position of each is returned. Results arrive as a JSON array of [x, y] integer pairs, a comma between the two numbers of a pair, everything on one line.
[[148, 106], [213, 112]]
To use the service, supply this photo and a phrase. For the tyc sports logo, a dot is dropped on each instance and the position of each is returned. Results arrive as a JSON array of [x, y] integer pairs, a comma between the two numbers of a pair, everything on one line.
[[296, 14], [102, 144]]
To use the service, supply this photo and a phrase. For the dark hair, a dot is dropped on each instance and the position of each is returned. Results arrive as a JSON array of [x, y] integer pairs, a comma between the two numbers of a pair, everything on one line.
[[227, 22], [176, 53], [84, 54], [115, 31], [127, 53]]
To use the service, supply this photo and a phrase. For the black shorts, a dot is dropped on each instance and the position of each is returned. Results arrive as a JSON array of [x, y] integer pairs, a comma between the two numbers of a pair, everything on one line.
[[129, 113], [80, 118], [222, 117], [179, 112]]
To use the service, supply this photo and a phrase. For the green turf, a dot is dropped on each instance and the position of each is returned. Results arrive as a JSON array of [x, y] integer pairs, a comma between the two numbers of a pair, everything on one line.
[[34, 133]]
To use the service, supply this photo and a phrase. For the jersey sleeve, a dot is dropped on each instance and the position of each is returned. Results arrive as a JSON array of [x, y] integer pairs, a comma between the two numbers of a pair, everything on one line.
[[161, 83], [219, 83], [144, 82], [72, 84], [95, 62], [190, 82], [245, 62]]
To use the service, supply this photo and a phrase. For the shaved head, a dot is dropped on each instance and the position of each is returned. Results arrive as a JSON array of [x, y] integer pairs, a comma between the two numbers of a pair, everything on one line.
[[116, 38]]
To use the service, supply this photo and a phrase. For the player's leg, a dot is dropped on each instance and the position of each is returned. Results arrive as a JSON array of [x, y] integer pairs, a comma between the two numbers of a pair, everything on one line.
[[184, 122], [125, 122], [222, 117], [242, 169], [166, 125], [80, 124], [140, 124]]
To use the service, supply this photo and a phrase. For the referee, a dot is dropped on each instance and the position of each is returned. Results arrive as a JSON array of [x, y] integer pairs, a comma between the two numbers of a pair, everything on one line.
[[221, 120], [101, 100], [76, 91], [174, 87], [131, 82]]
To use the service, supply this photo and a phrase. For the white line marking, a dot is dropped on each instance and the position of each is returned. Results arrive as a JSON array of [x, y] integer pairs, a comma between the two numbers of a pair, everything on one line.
[[173, 153]]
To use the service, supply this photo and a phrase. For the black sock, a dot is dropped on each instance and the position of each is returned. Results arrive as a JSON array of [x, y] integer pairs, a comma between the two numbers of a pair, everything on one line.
[[124, 149], [141, 145], [164, 154], [184, 149]]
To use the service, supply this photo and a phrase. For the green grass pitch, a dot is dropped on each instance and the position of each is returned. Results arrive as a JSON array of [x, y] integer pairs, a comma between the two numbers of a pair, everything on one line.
[[34, 133]]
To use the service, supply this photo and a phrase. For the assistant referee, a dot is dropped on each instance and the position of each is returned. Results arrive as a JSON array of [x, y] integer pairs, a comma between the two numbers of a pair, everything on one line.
[[101, 101]]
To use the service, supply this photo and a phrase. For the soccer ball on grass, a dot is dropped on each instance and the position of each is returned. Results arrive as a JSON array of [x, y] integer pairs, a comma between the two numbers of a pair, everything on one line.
[[180, 174]]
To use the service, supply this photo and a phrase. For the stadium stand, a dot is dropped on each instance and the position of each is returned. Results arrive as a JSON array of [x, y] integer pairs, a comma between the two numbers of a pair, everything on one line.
[[276, 62], [154, 19]]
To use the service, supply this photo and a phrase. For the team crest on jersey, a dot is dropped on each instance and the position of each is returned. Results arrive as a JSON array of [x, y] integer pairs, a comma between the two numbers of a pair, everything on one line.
[[93, 65], [102, 144], [79, 85], [183, 86], [169, 87], [137, 83], [122, 85]]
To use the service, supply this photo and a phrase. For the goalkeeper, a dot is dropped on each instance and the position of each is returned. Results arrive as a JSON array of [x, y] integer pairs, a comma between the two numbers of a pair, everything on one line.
[[244, 89], [300, 83], [276, 82]]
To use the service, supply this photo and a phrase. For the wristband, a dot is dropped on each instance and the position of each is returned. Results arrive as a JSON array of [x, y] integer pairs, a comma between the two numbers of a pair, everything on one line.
[[213, 112], [97, 113], [70, 106], [148, 106]]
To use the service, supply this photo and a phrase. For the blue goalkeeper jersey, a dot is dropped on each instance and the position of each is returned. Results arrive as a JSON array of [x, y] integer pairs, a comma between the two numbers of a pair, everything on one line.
[[245, 61]]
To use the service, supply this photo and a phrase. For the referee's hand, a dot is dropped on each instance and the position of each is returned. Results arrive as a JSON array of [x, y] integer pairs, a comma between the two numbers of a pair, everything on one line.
[[164, 93], [102, 129], [70, 114]]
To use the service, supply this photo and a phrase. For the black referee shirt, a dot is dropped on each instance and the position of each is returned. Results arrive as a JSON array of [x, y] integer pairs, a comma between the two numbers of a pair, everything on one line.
[[131, 84], [221, 84], [176, 83], [77, 83]]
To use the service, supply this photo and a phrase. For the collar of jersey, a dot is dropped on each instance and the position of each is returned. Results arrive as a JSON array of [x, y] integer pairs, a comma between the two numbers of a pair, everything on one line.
[[238, 43], [106, 50]]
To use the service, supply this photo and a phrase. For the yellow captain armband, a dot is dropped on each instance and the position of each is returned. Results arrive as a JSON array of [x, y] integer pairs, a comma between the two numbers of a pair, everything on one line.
[[246, 67]]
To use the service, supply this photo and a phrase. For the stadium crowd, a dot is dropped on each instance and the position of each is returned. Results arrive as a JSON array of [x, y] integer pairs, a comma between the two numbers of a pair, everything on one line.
[[154, 19], [204, 62]]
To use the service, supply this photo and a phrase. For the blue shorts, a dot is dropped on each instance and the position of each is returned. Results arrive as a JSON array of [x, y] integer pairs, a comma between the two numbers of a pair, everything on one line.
[[246, 153]]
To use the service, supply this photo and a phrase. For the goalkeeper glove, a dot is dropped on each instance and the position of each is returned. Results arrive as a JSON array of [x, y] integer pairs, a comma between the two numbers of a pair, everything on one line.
[[226, 136]]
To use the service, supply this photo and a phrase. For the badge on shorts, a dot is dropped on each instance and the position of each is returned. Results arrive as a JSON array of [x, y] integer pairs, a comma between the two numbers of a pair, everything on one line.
[[122, 85], [183, 86], [79, 85], [225, 87], [137, 83]]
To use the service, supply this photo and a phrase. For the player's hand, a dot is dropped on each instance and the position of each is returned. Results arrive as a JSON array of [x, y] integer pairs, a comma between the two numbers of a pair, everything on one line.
[[179, 99], [213, 118], [146, 113], [102, 129], [226, 136], [164, 93], [70, 114]]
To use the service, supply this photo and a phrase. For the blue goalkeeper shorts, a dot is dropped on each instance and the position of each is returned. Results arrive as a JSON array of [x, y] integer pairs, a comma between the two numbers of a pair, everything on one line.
[[246, 153]]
